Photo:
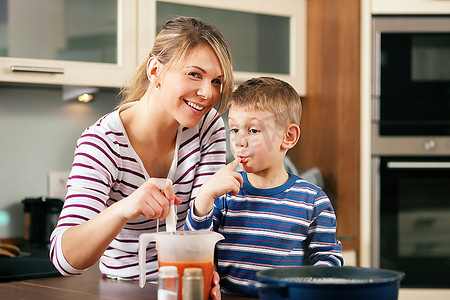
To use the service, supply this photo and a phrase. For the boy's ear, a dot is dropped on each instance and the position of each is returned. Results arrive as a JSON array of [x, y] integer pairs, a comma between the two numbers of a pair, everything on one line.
[[291, 136]]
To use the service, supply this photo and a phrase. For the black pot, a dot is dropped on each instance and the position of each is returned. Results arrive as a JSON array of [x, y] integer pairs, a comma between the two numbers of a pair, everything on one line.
[[308, 282]]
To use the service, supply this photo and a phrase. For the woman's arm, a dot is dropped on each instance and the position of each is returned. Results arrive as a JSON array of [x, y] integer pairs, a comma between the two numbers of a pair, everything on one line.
[[85, 243]]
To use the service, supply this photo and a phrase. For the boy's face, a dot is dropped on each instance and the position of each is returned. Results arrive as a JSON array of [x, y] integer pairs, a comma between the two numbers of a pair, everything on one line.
[[255, 139]]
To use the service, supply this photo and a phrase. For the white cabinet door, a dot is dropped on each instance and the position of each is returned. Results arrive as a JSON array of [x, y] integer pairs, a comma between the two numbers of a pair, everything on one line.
[[410, 6], [63, 42], [267, 38]]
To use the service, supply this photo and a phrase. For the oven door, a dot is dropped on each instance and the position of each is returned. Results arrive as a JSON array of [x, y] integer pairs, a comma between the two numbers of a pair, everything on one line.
[[415, 84], [414, 219], [413, 75]]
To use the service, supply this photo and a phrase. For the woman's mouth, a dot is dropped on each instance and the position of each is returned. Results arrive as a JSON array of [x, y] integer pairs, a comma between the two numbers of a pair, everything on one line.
[[194, 105]]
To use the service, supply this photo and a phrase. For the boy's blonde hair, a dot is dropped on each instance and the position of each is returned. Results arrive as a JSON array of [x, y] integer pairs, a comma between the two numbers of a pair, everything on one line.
[[269, 94], [173, 44]]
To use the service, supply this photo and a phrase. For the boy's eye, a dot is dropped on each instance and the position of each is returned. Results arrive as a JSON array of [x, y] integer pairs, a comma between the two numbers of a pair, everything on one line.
[[234, 130], [253, 131]]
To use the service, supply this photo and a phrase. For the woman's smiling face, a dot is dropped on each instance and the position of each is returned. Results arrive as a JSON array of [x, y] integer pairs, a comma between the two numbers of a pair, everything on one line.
[[190, 89]]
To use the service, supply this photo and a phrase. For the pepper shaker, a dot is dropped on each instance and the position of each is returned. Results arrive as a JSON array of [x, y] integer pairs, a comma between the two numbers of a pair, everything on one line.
[[192, 284]]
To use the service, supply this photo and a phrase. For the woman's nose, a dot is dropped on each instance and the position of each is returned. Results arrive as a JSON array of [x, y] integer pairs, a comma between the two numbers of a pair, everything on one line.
[[205, 90]]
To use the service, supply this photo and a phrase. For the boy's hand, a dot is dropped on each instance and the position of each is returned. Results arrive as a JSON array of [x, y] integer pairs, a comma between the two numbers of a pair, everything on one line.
[[226, 180]]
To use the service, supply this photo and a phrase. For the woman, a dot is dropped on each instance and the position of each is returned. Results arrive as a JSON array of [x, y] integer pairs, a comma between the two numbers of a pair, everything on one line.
[[165, 128]]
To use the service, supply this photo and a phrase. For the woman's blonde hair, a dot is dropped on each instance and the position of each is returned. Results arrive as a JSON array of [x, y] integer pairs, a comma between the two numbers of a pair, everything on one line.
[[172, 45], [269, 94]]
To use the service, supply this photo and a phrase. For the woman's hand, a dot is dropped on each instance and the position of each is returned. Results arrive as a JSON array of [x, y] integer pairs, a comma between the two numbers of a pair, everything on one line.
[[149, 200], [215, 290], [226, 180]]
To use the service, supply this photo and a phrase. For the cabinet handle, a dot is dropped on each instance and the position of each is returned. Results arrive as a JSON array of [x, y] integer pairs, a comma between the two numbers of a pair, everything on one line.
[[418, 165], [37, 69]]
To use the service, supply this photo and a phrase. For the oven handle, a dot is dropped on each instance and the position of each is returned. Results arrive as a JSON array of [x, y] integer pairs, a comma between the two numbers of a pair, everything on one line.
[[417, 165]]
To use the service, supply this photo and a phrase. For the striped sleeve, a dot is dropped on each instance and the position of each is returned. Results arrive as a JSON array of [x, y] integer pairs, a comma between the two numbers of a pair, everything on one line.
[[194, 222], [92, 176], [323, 248]]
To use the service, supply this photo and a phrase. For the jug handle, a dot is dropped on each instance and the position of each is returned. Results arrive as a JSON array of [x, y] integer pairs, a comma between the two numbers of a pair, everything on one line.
[[144, 239]]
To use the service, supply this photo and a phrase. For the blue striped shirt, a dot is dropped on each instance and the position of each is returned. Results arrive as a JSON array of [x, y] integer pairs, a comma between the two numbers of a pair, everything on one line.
[[106, 169], [290, 225]]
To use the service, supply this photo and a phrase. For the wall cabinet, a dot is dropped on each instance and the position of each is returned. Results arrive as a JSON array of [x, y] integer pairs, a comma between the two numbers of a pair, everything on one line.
[[410, 6], [267, 38], [66, 42], [99, 43]]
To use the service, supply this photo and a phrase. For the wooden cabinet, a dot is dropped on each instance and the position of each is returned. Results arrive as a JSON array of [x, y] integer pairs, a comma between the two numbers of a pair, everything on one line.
[[410, 6], [83, 42], [330, 127], [267, 38]]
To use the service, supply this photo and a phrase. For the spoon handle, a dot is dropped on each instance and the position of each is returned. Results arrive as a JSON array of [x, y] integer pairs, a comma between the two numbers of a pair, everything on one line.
[[171, 219]]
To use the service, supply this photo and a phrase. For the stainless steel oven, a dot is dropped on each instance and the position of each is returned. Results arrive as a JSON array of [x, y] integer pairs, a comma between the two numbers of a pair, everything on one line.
[[411, 148], [413, 218], [412, 71]]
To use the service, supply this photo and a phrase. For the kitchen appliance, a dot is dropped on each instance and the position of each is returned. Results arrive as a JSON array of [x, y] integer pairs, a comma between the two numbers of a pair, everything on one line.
[[412, 72], [411, 148], [40, 218], [414, 219], [183, 249], [320, 282]]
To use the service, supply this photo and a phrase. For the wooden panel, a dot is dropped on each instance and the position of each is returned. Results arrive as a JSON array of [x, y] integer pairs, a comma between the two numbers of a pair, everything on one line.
[[331, 109]]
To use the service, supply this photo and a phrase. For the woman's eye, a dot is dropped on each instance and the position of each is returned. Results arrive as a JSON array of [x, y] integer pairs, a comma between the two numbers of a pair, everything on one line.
[[194, 74], [216, 81]]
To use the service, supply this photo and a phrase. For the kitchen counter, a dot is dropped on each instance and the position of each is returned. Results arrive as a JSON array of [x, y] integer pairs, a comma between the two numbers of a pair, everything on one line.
[[90, 285], [32, 263]]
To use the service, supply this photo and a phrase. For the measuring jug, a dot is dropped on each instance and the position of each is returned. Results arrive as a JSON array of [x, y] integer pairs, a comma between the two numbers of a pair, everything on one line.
[[183, 249]]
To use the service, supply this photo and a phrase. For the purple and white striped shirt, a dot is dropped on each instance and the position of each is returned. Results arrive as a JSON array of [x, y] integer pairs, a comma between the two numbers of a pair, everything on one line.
[[106, 169]]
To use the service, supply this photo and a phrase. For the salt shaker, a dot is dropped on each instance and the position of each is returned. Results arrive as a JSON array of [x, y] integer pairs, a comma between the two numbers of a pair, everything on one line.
[[192, 284], [168, 283]]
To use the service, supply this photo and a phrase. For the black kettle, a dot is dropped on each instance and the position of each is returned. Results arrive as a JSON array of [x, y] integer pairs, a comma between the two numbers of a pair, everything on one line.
[[40, 218]]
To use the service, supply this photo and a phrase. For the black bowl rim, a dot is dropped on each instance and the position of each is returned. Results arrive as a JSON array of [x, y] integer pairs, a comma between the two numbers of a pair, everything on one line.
[[272, 276]]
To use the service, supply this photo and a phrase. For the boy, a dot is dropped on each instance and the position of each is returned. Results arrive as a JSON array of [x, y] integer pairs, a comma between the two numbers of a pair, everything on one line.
[[269, 218]]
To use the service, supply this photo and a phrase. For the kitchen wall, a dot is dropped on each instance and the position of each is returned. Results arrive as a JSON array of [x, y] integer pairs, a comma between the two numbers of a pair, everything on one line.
[[38, 134]]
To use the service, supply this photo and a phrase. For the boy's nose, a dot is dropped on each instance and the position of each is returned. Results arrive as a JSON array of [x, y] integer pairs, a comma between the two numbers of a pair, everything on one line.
[[241, 141]]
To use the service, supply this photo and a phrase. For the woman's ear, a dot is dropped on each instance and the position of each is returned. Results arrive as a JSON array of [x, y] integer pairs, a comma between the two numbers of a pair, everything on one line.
[[153, 70], [291, 136]]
